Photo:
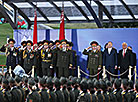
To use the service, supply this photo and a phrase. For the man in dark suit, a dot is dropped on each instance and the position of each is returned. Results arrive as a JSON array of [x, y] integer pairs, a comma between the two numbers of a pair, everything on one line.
[[110, 59], [124, 60]]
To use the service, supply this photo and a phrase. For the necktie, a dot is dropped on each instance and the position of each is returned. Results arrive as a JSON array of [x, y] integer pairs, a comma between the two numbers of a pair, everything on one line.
[[124, 53]]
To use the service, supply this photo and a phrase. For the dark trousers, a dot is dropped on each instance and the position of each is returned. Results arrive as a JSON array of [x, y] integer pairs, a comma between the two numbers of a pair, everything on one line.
[[46, 69], [111, 70], [122, 70], [63, 72]]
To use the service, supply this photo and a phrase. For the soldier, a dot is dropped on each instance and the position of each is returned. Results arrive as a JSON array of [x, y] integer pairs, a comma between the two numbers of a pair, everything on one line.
[[64, 60], [59, 93], [42, 90], [28, 57], [33, 95], [50, 91], [94, 60], [12, 54], [125, 93], [74, 58], [23, 47], [5, 90], [55, 50], [83, 95], [47, 59], [63, 82], [136, 89], [15, 92], [117, 90], [71, 93], [131, 90], [18, 81]]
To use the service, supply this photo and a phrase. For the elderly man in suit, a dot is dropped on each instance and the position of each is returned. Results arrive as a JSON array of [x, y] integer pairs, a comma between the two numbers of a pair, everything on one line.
[[110, 59], [124, 59]]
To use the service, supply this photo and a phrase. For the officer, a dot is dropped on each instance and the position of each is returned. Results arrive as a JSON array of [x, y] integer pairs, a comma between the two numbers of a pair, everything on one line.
[[12, 54], [64, 60], [47, 59], [94, 60], [33, 95], [74, 58], [29, 57], [23, 47]]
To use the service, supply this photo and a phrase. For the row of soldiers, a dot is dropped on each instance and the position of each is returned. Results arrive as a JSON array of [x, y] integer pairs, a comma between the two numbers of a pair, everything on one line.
[[72, 89], [46, 57]]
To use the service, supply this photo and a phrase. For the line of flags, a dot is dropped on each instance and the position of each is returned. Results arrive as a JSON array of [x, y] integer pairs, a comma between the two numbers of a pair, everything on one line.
[[62, 29]]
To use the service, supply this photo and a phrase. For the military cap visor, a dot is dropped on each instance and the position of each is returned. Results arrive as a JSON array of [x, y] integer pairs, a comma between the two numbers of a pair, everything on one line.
[[30, 43], [24, 42], [94, 42], [11, 40]]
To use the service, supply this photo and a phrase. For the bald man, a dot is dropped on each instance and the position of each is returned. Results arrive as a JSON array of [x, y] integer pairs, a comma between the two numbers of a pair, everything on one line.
[[124, 60]]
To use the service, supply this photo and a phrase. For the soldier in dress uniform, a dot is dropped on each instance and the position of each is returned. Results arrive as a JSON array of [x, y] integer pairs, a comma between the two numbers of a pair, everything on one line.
[[47, 59], [28, 57], [33, 95], [23, 47], [12, 54], [131, 90], [83, 95], [74, 58], [55, 50], [63, 82], [15, 92], [125, 93], [64, 60], [136, 89], [50, 91], [58, 91], [42, 90], [94, 60]]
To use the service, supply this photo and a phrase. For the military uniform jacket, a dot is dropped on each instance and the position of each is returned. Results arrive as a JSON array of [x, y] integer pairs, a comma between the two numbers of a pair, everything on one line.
[[74, 58], [118, 95], [60, 96], [94, 59], [52, 96], [12, 57], [64, 58], [29, 59], [33, 96], [44, 95], [47, 56], [136, 98]]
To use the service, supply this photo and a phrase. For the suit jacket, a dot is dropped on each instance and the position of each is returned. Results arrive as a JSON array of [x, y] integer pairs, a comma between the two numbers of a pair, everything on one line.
[[110, 59], [125, 62]]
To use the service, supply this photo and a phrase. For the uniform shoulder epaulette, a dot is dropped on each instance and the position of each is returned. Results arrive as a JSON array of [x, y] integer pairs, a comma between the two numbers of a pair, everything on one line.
[[123, 93], [82, 94], [30, 92], [136, 96], [115, 92]]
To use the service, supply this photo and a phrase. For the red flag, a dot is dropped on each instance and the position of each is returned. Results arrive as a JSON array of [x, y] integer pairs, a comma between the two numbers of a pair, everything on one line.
[[62, 32], [35, 30]]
